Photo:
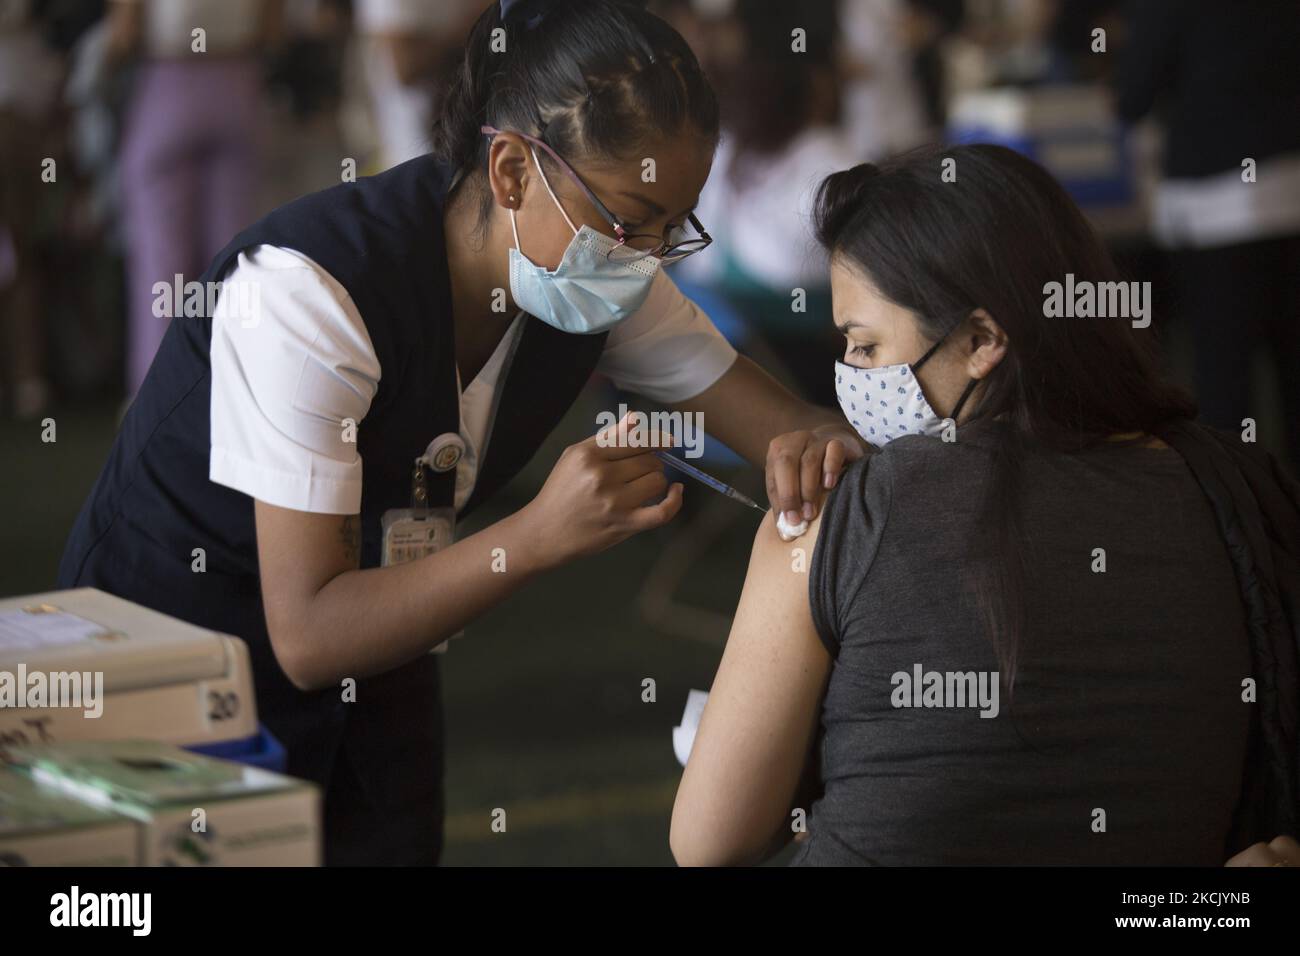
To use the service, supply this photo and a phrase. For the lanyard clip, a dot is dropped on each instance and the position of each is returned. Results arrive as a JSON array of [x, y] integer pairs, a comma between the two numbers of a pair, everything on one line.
[[419, 488], [443, 455]]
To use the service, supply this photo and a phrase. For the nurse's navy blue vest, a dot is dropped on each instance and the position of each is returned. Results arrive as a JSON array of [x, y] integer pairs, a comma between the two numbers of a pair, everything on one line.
[[379, 759]]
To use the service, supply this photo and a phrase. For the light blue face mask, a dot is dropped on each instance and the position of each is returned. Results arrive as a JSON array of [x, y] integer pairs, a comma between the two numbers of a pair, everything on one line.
[[588, 292]]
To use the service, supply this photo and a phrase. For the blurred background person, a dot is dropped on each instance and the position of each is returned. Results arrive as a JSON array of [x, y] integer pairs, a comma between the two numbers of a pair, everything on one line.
[[781, 110], [884, 104], [1071, 42], [191, 143], [928, 26], [1223, 80], [306, 148], [304, 73], [405, 49], [31, 75]]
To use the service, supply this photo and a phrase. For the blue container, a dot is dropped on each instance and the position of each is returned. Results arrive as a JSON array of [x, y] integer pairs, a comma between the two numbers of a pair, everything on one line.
[[261, 750], [1115, 189]]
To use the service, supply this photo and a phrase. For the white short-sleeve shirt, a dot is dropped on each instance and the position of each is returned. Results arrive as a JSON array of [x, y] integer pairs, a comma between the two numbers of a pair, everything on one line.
[[284, 384]]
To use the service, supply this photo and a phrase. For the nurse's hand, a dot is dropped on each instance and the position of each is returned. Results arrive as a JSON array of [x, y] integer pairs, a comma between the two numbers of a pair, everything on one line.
[[1282, 851], [803, 466], [596, 496]]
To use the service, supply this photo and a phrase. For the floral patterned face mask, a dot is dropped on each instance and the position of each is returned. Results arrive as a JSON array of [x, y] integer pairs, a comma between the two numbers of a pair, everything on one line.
[[887, 402]]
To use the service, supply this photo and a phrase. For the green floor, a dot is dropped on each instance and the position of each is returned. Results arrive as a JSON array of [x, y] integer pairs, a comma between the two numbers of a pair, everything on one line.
[[543, 695]]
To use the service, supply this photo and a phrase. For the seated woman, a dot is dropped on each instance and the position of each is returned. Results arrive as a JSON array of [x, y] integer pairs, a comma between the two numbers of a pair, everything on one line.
[[1020, 638]]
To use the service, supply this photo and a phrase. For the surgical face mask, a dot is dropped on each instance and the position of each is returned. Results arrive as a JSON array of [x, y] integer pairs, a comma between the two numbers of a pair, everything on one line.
[[887, 402], [588, 292]]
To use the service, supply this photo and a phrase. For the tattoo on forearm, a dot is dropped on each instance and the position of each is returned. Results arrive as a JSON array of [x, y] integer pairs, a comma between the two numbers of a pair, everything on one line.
[[350, 535]]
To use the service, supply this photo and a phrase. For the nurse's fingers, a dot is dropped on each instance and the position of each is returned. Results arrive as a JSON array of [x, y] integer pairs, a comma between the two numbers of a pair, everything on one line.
[[623, 471], [656, 516], [784, 484], [642, 489], [1281, 851], [1255, 855], [1287, 848], [811, 470], [837, 456], [626, 439]]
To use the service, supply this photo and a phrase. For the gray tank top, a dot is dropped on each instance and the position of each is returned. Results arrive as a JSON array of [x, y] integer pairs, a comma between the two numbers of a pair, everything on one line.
[[1127, 736]]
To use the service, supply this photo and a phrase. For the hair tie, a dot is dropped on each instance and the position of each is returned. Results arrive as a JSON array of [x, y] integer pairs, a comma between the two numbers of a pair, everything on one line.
[[539, 6]]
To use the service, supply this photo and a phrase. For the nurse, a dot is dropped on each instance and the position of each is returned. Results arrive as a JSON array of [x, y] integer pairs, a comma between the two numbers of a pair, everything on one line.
[[407, 342]]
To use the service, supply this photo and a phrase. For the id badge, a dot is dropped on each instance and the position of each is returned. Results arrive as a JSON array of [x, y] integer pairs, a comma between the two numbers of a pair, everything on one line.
[[413, 533]]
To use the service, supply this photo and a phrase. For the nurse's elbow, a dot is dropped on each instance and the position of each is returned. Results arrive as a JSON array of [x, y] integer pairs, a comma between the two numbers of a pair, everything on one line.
[[305, 679], [294, 655]]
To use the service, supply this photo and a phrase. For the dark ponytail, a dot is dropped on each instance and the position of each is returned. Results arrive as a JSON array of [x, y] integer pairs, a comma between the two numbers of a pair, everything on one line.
[[595, 79], [992, 239]]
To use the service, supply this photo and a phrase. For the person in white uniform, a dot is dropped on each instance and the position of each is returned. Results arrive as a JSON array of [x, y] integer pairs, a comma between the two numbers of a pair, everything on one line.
[[386, 354], [402, 45]]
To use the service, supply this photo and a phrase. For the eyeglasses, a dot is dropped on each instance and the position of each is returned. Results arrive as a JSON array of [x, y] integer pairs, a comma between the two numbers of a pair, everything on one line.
[[673, 249]]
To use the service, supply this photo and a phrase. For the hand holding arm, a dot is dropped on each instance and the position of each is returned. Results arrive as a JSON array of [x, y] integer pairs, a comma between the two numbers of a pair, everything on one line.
[[803, 448]]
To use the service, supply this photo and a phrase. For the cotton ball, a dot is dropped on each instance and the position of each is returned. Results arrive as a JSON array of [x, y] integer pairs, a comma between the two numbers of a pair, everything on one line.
[[789, 532]]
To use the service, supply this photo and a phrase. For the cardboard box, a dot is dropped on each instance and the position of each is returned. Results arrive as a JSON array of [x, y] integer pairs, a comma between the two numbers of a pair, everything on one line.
[[41, 827], [190, 810], [151, 676]]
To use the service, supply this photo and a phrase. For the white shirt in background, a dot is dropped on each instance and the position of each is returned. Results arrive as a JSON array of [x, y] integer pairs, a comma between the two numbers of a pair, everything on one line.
[[762, 221], [379, 17], [402, 115], [1223, 210], [883, 113], [281, 387]]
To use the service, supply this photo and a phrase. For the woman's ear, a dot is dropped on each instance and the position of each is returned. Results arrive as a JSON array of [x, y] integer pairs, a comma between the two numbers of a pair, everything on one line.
[[508, 169], [987, 344]]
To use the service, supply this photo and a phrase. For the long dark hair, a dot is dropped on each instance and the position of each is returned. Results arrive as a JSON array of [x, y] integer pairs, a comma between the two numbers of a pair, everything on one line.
[[595, 79], [993, 238]]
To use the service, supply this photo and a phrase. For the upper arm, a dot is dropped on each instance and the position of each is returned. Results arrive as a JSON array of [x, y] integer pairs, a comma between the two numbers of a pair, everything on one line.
[[746, 408], [293, 376], [299, 553], [668, 350], [292, 380], [761, 719]]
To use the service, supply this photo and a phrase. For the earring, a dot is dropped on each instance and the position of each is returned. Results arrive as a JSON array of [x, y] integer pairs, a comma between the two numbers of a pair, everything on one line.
[[512, 200]]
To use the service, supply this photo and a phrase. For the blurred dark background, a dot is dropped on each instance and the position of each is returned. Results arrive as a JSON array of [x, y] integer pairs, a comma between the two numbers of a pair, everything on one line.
[[543, 696]]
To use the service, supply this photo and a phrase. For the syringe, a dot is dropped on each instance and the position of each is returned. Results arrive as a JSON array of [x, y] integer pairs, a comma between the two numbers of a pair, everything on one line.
[[709, 480]]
